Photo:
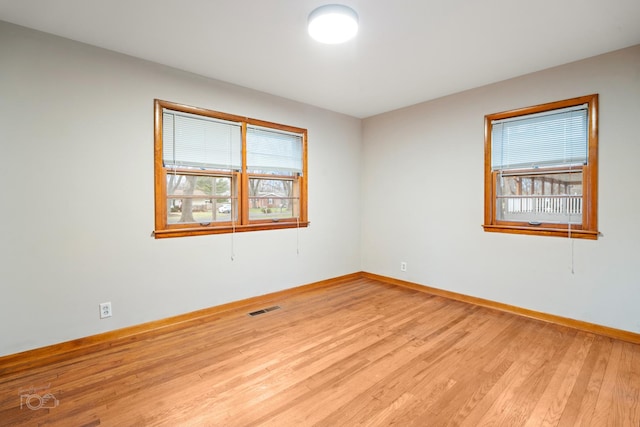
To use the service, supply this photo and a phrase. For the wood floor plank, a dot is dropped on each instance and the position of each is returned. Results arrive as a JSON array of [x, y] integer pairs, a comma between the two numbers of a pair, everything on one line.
[[604, 413], [359, 353], [552, 403], [627, 387], [584, 396], [525, 354], [426, 374]]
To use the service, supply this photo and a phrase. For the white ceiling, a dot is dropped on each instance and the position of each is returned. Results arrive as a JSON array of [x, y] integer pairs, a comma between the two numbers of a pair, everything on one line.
[[407, 51]]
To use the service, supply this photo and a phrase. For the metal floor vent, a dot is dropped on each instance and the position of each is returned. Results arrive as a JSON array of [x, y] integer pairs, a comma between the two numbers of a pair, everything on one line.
[[264, 310]]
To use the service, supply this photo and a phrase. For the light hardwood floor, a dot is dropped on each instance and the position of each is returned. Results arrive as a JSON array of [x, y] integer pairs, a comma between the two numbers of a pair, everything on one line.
[[357, 353]]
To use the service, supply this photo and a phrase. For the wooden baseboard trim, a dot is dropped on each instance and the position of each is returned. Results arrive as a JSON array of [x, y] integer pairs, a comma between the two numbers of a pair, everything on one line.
[[31, 359], [43, 356], [551, 318]]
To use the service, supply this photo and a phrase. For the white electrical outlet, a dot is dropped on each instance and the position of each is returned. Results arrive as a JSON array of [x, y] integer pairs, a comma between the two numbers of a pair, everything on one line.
[[105, 310], [403, 266]]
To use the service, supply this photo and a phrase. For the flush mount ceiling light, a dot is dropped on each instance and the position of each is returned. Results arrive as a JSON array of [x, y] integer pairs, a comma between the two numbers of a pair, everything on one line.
[[333, 23]]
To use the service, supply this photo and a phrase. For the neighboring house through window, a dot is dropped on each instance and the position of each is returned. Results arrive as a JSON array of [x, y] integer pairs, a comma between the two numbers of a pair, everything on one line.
[[221, 173], [541, 169]]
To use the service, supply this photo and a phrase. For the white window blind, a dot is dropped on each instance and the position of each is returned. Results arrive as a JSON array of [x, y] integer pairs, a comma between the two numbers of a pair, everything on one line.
[[553, 138], [273, 151], [201, 142]]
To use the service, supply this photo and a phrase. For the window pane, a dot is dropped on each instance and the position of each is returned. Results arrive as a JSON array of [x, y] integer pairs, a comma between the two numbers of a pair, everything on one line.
[[540, 197], [200, 142], [199, 199], [269, 150], [552, 138], [273, 198]]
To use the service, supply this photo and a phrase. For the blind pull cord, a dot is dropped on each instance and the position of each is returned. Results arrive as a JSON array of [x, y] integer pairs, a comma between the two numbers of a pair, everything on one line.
[[233, 233], [232, 211], [571, 241], [298, 234]]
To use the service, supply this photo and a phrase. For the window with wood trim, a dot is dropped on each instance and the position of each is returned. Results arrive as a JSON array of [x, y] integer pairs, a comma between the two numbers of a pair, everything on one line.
[[221, 173], [541, 169]]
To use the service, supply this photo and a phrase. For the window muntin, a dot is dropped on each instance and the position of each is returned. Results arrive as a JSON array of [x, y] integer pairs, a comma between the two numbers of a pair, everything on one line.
[[219, 173], [541, 169]]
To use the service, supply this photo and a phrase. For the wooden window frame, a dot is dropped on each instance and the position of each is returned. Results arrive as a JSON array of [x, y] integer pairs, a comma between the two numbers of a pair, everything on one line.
[[588, 229], [239, 178]]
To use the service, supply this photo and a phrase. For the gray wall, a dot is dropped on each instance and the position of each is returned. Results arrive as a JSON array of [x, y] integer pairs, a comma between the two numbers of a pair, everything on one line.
[[423, 199], [76, 131]]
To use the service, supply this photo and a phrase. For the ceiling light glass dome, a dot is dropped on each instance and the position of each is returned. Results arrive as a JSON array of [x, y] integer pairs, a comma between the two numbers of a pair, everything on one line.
[[333, 23]]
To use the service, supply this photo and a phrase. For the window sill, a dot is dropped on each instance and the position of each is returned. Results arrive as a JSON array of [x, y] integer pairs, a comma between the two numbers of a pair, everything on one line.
[[538, 231], [201, 231]]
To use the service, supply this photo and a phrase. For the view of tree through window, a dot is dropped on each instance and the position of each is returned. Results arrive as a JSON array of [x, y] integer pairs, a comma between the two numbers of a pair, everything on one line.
[[272, 198], [198, 199], [218, 173]]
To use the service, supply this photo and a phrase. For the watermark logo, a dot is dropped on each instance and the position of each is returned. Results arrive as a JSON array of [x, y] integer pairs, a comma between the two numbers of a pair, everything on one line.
[[36, 398]]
